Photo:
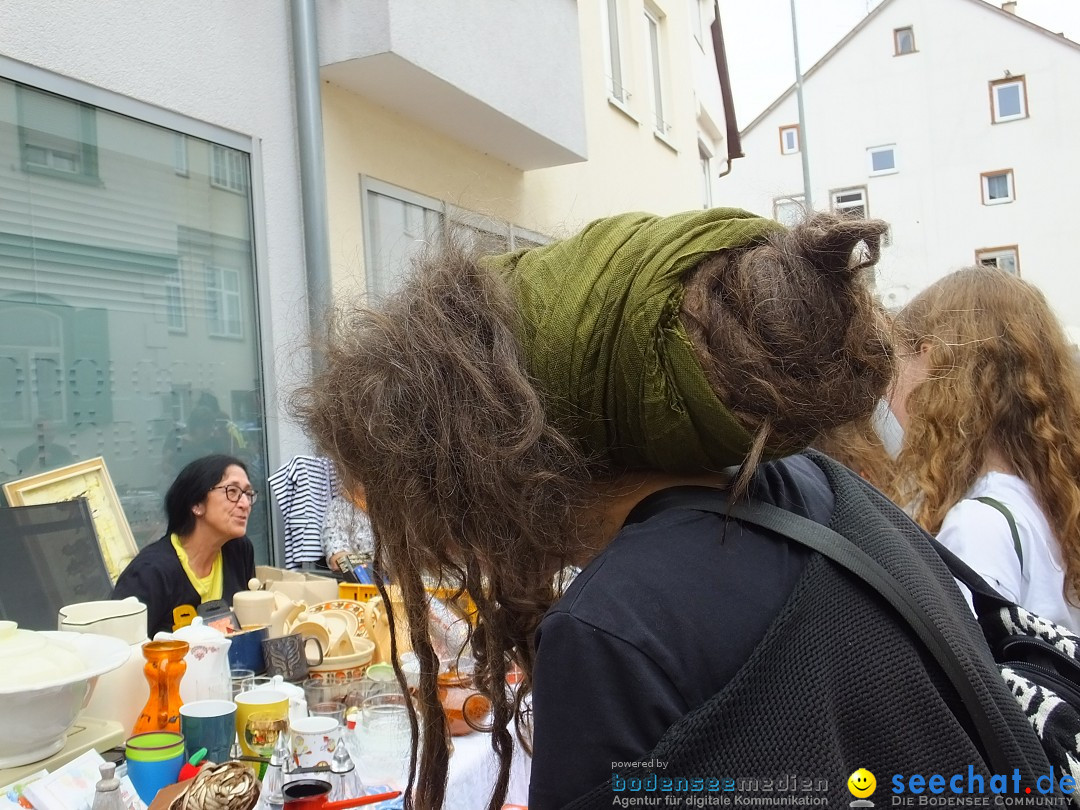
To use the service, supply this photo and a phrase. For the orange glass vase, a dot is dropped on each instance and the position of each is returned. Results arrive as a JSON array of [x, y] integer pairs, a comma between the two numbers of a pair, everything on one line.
[[165, 666]]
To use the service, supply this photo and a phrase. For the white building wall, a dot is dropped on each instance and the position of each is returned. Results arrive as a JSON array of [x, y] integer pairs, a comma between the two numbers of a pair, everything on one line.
[[225, 64], [628, 167], [935, 106]]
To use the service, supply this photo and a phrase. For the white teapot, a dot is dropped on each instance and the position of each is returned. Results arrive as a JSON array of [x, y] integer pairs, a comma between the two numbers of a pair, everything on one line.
[[207, 676]]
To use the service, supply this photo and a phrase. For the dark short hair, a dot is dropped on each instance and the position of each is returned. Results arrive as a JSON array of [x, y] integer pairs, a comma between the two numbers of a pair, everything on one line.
[[191, 486]]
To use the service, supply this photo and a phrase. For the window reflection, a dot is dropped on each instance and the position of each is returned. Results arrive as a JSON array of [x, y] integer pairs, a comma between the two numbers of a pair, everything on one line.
[[128, 320]]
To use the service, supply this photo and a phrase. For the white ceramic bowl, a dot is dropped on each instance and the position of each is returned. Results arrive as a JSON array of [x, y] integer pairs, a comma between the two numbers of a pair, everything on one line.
[[35, 720], [120, 618], [347, 667]]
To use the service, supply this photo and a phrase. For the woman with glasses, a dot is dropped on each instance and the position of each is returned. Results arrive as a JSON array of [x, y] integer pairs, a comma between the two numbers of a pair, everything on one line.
[[205, 554]]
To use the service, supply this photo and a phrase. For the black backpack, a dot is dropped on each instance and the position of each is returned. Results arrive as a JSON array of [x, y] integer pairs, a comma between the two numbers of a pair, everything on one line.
[[1038, 659]]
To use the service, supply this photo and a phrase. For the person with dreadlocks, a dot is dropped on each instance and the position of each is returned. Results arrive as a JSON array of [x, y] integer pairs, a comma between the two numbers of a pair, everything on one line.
[[510, 416]]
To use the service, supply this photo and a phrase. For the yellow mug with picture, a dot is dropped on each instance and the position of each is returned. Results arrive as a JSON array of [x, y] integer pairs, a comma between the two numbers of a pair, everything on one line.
[[261, 715]]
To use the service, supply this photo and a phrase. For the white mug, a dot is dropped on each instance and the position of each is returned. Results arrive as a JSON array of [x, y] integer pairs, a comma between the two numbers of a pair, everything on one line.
[[314, 740]]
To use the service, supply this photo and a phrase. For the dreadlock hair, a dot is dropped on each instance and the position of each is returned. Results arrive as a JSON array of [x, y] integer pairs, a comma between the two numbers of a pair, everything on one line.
[[425, 401]]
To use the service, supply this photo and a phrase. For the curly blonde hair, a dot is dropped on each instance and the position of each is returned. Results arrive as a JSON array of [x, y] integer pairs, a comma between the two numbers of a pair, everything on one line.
[[1000, 378], [858, 446], [426, 402]]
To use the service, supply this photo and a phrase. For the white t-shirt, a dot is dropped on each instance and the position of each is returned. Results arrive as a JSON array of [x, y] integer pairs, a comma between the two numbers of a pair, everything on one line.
[[979, 534]]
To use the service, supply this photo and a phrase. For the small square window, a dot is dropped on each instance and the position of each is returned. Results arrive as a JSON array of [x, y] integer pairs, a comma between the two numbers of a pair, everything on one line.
[[850, 202], [882, 159], [1005, 258], [903, 41], [789, 139], [1008, 99], [997, 187]]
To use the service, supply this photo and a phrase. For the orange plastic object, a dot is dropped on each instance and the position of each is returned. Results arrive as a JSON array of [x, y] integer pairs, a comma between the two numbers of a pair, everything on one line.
[[164, 668]]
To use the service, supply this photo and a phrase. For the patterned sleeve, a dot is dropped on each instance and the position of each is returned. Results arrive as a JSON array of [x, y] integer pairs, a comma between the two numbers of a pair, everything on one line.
[[346, 529]]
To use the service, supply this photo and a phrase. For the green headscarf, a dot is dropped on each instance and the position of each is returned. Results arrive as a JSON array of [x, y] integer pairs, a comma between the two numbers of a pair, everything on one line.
[[603, 338]]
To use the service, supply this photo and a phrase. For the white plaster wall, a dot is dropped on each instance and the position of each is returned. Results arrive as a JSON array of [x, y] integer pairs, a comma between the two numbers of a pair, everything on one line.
[[628, 167], [226, 64], [517, 58], [935, 106]]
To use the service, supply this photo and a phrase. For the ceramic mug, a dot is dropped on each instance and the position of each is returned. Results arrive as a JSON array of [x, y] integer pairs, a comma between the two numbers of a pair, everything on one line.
[[288, 656], [314, 740], [246, 650], [209, 724]]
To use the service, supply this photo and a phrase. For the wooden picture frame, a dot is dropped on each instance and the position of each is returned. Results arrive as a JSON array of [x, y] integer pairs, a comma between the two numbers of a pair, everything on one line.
[[90, 480]]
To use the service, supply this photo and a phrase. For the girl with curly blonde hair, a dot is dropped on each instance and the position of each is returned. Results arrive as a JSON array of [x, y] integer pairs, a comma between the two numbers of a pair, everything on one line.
[[989, 396]]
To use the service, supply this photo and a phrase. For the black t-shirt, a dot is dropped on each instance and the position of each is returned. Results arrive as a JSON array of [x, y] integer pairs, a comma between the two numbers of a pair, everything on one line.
[[656, 625], [158, 579]]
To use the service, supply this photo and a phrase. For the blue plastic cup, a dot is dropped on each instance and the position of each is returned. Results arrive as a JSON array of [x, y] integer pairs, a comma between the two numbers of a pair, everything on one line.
[[154, 760]]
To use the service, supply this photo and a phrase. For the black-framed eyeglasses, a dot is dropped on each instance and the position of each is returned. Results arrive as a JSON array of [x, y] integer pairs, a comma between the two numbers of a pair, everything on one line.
[[233, 493]]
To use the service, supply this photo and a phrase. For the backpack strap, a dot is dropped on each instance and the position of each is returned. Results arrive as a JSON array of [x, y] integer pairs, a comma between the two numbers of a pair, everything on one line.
[[843, 552], [996, 504]]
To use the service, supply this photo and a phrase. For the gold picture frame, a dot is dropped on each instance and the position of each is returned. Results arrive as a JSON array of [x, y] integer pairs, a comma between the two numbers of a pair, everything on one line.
[[84, 479]]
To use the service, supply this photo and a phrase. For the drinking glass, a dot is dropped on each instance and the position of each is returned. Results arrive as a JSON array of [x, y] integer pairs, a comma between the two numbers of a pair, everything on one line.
[[327, 689], [239, 676], [384, 738], [253, 682], [333, 708], [261, 731]]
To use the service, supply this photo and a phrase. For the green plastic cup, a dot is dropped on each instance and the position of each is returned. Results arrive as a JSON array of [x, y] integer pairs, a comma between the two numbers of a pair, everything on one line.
[[154, 746]]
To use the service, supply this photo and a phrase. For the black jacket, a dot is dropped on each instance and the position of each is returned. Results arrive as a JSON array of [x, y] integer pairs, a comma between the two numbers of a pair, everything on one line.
[[836, 683], [156, 577]]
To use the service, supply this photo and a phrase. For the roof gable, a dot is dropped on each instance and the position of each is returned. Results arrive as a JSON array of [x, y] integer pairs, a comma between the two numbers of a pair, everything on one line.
[[865, 21]]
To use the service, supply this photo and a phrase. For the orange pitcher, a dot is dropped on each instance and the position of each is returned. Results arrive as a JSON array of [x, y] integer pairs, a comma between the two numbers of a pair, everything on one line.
[[164, 668]]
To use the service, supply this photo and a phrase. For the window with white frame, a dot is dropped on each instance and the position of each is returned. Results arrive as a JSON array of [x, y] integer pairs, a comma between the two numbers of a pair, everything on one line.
[[399, 223], [1008, 99], [180, 150], [789, 210], [903, 40], [175, 314], [655, 50], [223, 311], [57, 136], [697, 21], [997, 187], [1005, 258], [850, 202], [613, 52], [705, 159], [228, 169], [882, 159], [31, 366], [789, 139]]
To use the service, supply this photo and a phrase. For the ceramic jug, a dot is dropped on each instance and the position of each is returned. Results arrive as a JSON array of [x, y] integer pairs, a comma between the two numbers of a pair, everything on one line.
[[208, 676]]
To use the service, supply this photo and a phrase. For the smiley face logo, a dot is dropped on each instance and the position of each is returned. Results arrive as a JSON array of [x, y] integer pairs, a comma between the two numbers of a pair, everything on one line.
[[861, 783]]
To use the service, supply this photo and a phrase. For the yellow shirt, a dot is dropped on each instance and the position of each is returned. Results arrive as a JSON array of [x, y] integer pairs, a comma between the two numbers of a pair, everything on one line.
[[209, 587]]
